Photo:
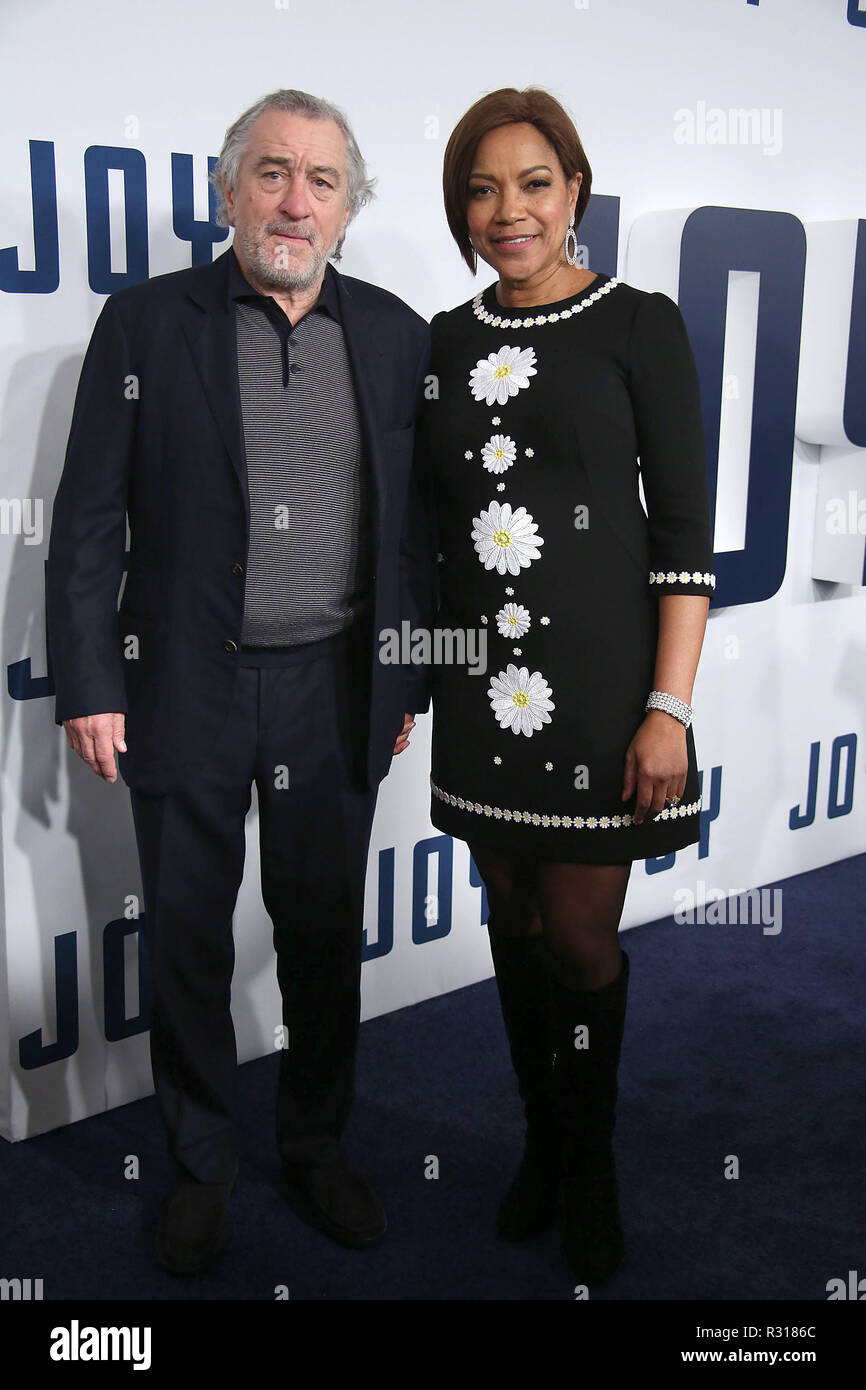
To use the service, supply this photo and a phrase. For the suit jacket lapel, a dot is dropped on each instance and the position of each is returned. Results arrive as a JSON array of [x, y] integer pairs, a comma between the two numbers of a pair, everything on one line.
[[366, 352], [209, 327]]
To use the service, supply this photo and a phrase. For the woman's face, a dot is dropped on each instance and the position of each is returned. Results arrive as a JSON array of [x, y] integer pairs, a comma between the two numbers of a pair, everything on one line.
[[520, 203]]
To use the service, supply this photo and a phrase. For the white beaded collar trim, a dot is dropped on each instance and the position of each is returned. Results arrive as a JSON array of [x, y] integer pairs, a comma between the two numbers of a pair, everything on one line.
[[683, 577], [559, 822], [497, 321]]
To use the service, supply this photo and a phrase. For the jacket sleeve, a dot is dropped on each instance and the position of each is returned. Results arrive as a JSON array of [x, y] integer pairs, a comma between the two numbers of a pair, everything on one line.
[[418, 570], [88, 529], [664, 389]]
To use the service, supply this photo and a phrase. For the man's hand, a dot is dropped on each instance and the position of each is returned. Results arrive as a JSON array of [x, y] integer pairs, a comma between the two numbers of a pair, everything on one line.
[[94, 738], [403, 739]]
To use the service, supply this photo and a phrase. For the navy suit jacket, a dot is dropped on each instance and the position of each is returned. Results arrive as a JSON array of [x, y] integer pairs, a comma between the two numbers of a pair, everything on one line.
[[157, 436]]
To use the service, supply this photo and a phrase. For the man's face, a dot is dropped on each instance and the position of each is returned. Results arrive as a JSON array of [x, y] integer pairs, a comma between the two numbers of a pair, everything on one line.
[[288, 206]]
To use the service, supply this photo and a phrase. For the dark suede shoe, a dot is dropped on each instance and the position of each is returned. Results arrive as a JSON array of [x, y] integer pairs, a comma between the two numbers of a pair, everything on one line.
[[193, 1225], [336, 1199]]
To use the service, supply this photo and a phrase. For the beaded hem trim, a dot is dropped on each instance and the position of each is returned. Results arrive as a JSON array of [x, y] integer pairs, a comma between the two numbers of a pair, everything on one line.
[[616, 822], [497, 320], [682, 577]]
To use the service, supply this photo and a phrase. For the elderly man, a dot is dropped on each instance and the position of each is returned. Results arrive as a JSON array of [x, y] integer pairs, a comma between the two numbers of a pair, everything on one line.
[[254, 420]]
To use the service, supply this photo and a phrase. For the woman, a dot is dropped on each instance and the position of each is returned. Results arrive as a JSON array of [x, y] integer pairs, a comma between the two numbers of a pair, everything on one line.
[[575, 756]]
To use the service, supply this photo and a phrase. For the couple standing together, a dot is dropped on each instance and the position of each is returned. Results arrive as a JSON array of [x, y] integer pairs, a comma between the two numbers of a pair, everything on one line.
[[291, 494]]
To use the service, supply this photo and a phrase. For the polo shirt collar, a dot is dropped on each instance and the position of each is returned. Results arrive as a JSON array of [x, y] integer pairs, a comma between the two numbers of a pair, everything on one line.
[[239, 287]]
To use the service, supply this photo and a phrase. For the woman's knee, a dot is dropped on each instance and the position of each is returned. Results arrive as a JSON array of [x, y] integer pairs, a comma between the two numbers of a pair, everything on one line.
[[518, 918], [512, 900]]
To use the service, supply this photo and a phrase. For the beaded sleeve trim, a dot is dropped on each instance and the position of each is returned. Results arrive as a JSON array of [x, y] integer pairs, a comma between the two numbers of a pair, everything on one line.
[[547, 822], [498, 321], [682, 577]]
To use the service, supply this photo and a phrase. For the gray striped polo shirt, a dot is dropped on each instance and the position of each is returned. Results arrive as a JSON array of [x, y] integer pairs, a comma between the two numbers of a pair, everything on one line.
[[309, 553]]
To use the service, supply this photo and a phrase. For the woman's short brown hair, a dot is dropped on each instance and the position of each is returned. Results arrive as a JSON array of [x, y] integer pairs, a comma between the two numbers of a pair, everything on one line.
[[508, 106]]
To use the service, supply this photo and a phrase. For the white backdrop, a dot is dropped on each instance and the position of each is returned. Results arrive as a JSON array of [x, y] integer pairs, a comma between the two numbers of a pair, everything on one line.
[[655, 87]]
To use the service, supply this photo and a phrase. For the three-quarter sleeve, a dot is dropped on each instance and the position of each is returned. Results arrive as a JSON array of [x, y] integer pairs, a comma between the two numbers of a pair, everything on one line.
[[665, 395]]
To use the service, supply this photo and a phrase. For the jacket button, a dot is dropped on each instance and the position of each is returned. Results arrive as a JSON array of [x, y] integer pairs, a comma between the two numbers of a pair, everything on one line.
[[230, 646], [237, 569]]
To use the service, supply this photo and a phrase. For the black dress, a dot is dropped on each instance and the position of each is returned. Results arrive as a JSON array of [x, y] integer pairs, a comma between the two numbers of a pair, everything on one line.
[[545, 420]]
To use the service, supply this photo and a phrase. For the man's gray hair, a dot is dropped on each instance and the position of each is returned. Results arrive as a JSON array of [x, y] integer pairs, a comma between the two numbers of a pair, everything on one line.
[[359, 189]]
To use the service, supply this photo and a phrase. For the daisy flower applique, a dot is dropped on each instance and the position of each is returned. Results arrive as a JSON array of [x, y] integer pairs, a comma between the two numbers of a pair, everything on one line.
[[521, 702], [506, 539], [498, 377], [513, 620], [499, 453]]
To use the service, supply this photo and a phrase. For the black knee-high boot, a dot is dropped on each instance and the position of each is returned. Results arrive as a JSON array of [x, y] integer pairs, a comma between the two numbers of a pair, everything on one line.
[[523, 981], [585, 1093]]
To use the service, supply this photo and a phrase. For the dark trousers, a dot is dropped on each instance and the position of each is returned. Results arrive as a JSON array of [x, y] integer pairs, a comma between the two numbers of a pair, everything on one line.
[[289, 732]]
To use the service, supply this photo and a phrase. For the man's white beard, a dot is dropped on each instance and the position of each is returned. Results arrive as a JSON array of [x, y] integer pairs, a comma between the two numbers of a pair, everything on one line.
[[275, 276]]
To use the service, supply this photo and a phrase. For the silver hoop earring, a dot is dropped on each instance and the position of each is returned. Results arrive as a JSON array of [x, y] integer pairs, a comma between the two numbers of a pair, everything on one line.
[[571, 256]]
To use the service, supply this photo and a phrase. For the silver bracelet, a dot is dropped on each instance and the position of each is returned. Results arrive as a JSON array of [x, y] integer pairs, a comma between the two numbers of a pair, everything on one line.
[[660, 699]]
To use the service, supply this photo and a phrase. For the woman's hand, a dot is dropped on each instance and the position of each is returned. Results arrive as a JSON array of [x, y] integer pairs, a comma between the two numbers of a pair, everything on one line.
[[656, 764]]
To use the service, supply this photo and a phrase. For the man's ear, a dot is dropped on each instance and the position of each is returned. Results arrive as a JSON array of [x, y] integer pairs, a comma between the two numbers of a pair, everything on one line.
[[229, 200]]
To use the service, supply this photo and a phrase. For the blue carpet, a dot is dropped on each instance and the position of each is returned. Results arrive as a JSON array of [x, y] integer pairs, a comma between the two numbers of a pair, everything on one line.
[[737, 1043]]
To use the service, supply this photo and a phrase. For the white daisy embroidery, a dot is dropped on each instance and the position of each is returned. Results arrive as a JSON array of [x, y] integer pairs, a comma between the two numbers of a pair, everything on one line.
[[502, 374], [513, 620], [500, 487], [519, 700], [499, 453], [509, 591], [506, 540]]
